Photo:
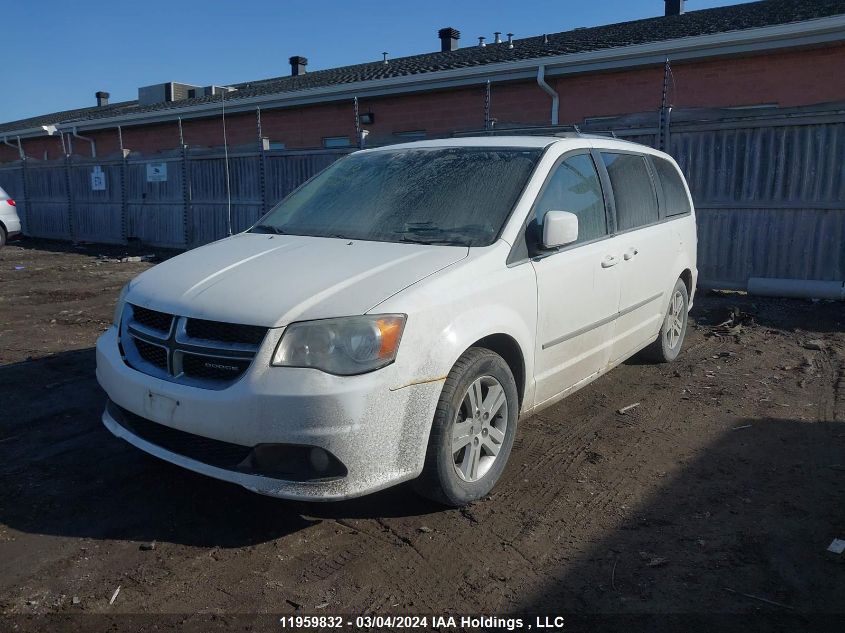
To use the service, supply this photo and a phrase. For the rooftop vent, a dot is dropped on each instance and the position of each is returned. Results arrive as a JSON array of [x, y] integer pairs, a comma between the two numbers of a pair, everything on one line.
[[102, 98], [209, 91], [674, 7], [160, 93], [448, 39], [297, 65]]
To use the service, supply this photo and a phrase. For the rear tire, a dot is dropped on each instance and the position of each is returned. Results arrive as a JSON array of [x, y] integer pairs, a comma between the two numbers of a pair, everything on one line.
[[2, 237], [669, 341], [469, 445]]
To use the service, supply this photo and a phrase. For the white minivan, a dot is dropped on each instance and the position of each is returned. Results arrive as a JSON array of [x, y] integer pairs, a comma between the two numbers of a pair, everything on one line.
[[394, 317]]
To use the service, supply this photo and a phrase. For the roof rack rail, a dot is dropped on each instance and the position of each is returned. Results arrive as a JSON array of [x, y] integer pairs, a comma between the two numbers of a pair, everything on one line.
[[557, 130], [575, 131], [605, 133]]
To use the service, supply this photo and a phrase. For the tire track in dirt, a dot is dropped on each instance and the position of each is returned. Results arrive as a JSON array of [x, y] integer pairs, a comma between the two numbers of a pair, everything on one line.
[[829, 376], [559, 514]]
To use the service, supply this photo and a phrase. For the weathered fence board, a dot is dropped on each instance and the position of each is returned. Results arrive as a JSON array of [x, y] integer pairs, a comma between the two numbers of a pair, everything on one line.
[[286, 173], [211, 203], [155, 209], [48, 203], [770, 201], [97, 207]]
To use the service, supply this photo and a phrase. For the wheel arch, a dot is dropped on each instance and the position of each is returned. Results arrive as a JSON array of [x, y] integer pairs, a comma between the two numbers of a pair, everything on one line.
[[508, 348], [686, 277]]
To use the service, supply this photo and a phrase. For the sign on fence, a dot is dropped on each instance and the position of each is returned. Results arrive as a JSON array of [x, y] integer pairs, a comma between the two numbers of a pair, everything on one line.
[[156, 172], [98, 179]]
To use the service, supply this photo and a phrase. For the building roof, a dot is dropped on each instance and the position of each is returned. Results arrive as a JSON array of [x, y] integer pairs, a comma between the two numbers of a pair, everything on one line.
[[741, 17]]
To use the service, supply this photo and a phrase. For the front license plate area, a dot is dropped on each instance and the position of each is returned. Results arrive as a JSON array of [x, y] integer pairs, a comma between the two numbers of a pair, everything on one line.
[[159, 407]]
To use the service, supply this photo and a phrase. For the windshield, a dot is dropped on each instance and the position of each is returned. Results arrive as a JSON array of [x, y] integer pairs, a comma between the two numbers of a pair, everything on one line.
[[456, 195]]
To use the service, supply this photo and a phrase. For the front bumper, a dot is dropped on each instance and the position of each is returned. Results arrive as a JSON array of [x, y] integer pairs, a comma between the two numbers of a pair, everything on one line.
[[379, 434]]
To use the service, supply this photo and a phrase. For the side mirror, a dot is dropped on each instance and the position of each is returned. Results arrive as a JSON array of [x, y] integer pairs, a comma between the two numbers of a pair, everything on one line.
[[559, 228]]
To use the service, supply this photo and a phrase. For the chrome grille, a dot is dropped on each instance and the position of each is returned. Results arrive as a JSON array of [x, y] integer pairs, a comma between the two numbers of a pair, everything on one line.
[[152, 319], [197, 352], [226, 332], [153, 354]]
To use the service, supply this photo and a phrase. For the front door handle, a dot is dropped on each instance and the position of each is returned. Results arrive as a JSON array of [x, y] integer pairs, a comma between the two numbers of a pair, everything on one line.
[[629, 254], [609, 261]]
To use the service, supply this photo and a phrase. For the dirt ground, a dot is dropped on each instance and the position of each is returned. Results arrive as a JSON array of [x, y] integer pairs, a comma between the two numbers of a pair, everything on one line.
[[717, 495]]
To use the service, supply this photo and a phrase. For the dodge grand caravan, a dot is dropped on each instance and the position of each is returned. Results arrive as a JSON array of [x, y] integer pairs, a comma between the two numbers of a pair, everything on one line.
[[397, 315]]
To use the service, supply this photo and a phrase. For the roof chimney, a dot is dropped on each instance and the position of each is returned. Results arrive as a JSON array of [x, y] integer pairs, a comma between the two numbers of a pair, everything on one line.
[[448, 39], [674, 7], [102, 98], [297, 65]]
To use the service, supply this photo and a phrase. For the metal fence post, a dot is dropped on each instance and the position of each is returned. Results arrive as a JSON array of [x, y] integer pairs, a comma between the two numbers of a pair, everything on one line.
[[69, 194], [186, 196], [262, 175], [124, 202], [25, 214]]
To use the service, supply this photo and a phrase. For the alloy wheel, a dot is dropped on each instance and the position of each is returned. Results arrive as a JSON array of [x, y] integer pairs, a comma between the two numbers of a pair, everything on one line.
[[478, 430], [675, 320]]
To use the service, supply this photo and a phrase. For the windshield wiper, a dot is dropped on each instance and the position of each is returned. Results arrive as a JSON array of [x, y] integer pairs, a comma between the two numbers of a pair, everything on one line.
[[423, 239], [428, 233], [267, 228]]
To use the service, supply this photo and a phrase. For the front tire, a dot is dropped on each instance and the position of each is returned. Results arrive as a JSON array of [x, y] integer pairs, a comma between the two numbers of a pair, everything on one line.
[[473, 430], [671, 338]]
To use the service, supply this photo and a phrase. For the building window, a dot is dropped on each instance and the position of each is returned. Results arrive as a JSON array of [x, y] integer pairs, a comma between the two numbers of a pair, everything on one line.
[[336, 141], [410, 135], [758, 106], [599, 119], [276, 145]]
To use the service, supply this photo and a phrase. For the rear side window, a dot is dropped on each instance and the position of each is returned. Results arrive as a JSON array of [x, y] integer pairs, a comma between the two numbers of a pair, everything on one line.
[[674, 192], [574, 186], [636, 201]]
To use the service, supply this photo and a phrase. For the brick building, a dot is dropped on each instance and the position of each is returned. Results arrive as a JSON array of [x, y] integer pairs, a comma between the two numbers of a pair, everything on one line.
[[782, 53]]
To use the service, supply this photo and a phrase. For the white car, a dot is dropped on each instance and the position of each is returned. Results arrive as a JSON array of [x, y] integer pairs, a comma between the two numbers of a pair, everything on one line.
[[10, 223], [394, 317]]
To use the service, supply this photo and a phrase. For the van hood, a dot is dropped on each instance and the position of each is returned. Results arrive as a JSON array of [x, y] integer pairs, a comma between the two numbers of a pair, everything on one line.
[[273, 280]]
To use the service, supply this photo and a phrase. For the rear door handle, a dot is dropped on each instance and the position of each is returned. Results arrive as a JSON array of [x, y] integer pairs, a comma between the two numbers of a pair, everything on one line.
[[629, 254], [609, 261]]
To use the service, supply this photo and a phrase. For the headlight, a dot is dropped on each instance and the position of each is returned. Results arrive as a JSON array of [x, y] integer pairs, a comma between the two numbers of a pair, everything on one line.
[[118, 308], [345, 346]]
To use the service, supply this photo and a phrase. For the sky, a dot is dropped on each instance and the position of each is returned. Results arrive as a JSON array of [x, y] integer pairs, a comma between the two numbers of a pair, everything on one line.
[[58, 53]]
